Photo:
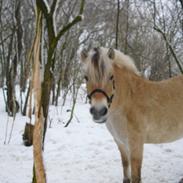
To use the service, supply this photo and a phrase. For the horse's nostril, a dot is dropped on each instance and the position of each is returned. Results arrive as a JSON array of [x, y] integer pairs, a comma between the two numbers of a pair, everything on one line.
[[103, 111], [92, 110], [98, 112]]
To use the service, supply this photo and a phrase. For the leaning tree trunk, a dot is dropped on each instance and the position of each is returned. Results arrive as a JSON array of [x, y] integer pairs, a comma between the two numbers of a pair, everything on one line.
[[38, 169]]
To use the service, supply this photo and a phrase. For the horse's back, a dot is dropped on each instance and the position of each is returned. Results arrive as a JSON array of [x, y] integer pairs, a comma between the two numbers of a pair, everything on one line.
[[163, 110]]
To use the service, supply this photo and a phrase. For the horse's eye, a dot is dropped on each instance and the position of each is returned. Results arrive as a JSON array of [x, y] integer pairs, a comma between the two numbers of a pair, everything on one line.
[[111, 77], [86, 78]]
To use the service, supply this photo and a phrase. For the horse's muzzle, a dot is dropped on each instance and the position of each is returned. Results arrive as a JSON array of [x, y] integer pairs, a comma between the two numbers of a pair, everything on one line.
[[99, 114]]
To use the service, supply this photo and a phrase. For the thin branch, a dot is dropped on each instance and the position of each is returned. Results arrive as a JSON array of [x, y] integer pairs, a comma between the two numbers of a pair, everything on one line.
[[6, 130], [82, 7], [5, 39], [73, 22], [170, 47], [53, 6], [68, 26], [181, 2]]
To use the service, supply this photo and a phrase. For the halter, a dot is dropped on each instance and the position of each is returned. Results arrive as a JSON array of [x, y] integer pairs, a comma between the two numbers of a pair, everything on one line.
[[98, 90]]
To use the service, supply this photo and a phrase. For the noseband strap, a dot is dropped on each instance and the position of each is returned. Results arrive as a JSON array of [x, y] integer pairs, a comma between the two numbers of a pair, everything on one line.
[[98, 90]]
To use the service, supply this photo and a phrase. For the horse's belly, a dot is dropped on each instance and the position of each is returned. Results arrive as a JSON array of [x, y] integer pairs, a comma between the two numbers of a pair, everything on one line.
[[161, 139], [164, 134]]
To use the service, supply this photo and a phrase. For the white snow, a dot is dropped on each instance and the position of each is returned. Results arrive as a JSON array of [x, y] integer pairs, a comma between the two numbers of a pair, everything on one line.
[[147, 72], [82, 152]]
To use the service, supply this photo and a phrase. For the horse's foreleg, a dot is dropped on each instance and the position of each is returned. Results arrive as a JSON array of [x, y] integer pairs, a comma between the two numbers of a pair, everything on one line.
[[136, 154], [125, 163]]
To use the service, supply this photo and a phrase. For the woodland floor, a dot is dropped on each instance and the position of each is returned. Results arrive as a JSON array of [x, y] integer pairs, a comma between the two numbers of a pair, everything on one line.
[[82, 152]]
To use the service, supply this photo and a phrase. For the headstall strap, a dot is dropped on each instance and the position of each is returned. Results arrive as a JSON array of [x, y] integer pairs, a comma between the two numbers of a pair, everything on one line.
[[98, 90]]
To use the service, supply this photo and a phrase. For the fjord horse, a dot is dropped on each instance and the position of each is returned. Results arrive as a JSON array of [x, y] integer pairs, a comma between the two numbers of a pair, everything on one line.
[[135, 110]]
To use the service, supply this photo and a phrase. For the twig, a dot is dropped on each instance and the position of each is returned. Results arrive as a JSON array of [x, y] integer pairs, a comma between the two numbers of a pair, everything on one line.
[[73, 107], [6, 131], [76, 118], [13, 123], [51, 120], [12, 127]]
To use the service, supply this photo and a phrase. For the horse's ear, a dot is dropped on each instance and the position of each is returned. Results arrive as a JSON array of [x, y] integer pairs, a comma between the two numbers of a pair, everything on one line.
[[83, 55], [111, 53]]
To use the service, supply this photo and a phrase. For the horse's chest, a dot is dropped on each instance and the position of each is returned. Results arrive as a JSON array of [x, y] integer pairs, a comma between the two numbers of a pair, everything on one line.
[[118, 128]]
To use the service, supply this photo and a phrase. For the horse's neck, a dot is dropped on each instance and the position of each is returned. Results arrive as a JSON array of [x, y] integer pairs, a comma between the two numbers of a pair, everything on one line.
[[126, 82]]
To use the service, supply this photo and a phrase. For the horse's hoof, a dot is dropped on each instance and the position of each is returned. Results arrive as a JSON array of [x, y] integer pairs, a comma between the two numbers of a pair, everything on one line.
[[126, 180], [181, 181]]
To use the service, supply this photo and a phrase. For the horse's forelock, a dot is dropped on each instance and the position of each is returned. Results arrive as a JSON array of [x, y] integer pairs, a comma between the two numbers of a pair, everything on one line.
[[97, 69], [95, 58]]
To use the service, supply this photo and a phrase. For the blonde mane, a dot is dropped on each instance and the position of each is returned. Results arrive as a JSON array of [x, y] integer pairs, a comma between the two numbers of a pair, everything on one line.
[[121, 60]]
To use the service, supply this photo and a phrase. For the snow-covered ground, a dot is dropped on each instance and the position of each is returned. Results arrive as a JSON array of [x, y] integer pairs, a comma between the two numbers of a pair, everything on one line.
[[82, 152]]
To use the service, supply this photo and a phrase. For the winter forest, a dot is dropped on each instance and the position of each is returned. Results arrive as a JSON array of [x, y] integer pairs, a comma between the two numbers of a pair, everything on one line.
[[46, 130]]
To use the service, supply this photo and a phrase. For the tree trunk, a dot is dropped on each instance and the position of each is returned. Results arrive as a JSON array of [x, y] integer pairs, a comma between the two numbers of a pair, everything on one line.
[[117, 23], [52, 44], [127, 26], [38, 170], [12, 104]]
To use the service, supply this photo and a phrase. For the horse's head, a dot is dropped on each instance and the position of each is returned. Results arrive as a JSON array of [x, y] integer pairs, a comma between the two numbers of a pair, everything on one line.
[[98, 73]]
